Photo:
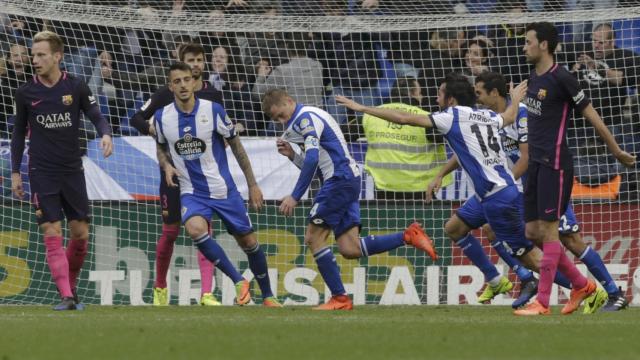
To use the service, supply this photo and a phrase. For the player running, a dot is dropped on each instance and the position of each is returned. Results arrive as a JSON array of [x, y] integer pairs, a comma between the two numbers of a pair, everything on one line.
[[50, 107], [471, 134], [336, 207], [192, 132]]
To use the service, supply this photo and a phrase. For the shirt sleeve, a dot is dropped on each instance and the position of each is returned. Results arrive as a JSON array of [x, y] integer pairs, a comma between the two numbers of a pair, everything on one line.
[[146, 111], [90, 107], [307, 129], [442, 120], [223, 124], [521, 125], [157, 121], [570, 84], [19, 133]]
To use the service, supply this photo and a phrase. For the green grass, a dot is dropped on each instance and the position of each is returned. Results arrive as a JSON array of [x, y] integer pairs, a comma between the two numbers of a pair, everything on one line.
[[368, 332]]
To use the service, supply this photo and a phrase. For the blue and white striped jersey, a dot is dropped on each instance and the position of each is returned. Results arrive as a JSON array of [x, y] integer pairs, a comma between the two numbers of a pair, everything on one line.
[[196, 143], [324, 145], [472, 134], [512, 136]]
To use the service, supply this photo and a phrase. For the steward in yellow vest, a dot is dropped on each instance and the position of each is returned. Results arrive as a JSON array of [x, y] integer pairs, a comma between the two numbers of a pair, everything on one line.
[[401, 158]]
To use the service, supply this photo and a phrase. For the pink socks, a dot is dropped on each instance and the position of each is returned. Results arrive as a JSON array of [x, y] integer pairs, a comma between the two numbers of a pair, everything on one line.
[[58, 264]]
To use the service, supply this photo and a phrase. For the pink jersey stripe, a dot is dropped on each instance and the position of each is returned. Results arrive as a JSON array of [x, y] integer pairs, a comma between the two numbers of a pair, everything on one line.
[[560, 194], [563, 123]]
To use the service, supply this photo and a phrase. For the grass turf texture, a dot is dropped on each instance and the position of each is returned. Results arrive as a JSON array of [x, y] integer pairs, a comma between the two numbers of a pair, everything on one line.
[[368, 332]]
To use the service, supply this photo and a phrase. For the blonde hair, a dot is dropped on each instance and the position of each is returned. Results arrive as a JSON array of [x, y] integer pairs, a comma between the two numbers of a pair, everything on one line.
[[55, 42], [273, 97]]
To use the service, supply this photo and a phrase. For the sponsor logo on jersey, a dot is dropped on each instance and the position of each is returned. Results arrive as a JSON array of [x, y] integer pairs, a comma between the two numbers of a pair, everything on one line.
[[190, 147], [542, 93], [311, 142], [92, 99], [187, 128], [67, 100], [54, 121]]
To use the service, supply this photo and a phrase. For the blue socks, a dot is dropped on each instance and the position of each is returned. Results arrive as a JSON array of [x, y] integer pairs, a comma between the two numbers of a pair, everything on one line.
[[212, 251], [329, 270], [596, 267], [259, 268], [523, 273], [473, 250], [375, 244]]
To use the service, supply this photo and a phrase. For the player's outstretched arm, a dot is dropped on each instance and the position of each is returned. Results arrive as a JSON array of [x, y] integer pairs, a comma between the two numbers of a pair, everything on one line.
[[517, 95], [255, 194], [436, 183], [594, 118], [395, 116]]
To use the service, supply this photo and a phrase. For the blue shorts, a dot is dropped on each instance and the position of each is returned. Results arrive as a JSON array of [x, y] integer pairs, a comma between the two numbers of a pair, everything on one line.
[[231, 211], [337, 206], [568, 222], [503, 212]]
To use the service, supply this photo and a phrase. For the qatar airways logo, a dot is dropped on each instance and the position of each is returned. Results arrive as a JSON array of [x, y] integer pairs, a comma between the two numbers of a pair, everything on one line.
[[54, 121], [534, 106]]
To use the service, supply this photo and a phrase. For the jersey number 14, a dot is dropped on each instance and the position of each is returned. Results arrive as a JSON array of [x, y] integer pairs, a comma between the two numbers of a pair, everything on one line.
[[491, 140]]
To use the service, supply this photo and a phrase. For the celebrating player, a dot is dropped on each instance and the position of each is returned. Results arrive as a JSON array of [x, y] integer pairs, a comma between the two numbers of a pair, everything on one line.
[[336, 206], [193, 55], [471, 135], [192, 132], [50, 106], [552, 93]]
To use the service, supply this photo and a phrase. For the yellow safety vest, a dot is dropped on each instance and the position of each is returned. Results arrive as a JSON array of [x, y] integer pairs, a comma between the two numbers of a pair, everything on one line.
[[399, 157]]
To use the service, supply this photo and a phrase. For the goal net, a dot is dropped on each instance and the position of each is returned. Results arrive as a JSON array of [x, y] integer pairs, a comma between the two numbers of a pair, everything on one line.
[[376, 52]]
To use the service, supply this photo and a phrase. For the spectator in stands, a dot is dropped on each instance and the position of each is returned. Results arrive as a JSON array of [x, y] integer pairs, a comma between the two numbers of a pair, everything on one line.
[[219, 60], [581, 30], [239, 103], [402, 159], [606, 73], [476, 59], [300, 76], [17, 71], [443, 56], [508, 41]]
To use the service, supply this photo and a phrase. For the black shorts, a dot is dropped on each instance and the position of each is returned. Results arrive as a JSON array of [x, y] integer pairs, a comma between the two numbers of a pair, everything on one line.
[[547, 192], [55, 196], [169, 200]]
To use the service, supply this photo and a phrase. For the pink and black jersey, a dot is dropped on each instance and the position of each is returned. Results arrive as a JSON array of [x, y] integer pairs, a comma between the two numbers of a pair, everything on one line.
[[551, 98], [52, 115]]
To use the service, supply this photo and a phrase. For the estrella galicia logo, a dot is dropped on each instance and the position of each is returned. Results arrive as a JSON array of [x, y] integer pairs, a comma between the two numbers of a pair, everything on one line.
[[190, 147]]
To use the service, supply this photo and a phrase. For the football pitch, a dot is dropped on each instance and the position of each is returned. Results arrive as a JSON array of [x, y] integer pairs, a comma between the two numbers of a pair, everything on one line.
[[368, 332]]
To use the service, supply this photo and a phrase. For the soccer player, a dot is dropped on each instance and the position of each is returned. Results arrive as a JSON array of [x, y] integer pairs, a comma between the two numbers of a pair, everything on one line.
[[471, 134], [49, 106], [193, 55], [491, 91], [192, 132], [552, 93], [336, 206]]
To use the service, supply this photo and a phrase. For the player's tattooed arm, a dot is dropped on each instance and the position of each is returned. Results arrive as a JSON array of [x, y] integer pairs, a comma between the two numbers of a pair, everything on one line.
[[255, 194]]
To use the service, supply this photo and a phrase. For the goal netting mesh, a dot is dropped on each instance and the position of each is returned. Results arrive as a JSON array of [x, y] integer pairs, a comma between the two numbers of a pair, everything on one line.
[[377, 52]]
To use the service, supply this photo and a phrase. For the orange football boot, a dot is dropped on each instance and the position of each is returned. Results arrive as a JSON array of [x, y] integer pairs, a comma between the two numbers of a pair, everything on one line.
[[337, 302], [533, 309], [415, 236], [577, 296]]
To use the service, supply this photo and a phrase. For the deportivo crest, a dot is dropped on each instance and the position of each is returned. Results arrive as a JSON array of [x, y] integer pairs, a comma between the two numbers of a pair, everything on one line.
[[67, 99], [542, 93], [203, 119]]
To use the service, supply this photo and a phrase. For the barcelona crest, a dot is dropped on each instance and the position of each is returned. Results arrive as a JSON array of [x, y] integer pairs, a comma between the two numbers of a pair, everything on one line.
[[542, 93], [67, 100]]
